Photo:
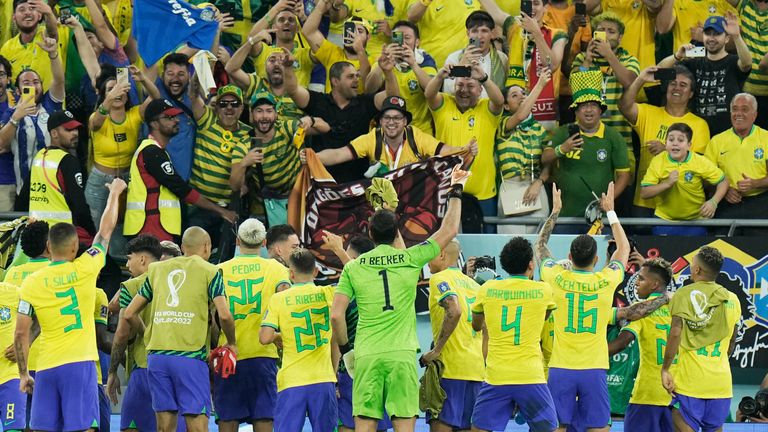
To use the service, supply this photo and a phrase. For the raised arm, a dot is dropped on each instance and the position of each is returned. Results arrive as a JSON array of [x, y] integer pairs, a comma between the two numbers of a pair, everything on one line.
[[641, 309], [627, 104], [526, 106], [299, 94], [109, 217], [452, 219], [311, 28], [733, 30], [140, 78], [498, 15], [235, 63], [391, 87], [622, 243], [495, 98], [665, 19], [97, 119], [103, 32], [85, 49], [196, 97], [56, 90], [540, 250], [51, 22], [432, 92]]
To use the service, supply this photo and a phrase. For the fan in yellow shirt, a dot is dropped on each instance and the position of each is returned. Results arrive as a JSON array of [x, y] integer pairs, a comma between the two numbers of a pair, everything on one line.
[[13, 402], [381, 16], [23, 50], [685, 18], [677, 177], [514, 311], [442, 22], [701, 379], [250, 282], [306, 381], [456, 344], [649, 406]]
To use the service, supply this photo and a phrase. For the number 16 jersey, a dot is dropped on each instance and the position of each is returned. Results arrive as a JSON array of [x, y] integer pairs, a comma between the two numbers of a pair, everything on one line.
[[383, 282], [584, 310]]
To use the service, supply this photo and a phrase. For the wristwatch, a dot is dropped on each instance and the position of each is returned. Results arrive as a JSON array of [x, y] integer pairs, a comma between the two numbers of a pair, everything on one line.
[[15, 123]]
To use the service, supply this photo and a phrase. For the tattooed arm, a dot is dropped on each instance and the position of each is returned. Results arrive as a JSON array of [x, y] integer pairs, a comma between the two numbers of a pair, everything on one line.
[[21, 345], [119, 345], [641, 309], [450, 321], [540, 249]]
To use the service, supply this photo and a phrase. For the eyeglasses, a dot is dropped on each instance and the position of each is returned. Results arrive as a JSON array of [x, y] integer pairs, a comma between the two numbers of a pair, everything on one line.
[[392, 118], [229, 104]]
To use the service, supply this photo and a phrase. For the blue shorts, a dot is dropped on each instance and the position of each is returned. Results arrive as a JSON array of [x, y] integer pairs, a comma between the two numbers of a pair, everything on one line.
[[66, 398], [13, 406], [648, 417], [105, 409], [346, 418], [460, 396], [250, 394], [582, 394], [136, 412], [496, 403], [179, 384], [318, 401], [705, 414]]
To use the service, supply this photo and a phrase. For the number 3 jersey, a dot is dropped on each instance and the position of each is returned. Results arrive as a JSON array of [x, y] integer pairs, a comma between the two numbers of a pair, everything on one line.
[[302, 315], [584, 310], [250, 281], [383, 282], [63, 296]]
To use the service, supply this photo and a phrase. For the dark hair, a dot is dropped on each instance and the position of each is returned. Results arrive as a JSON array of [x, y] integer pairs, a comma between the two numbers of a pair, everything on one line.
[[516, 255], [302, 261], [711, 259], [338, 68], [7, 66], [479, 18], [33, 238], [383, 227], [661, 268], [361, 244], [583, 250], [108, 73], [682, 127], [410, 25], [61, 233], [24, 70], [279, 233], [180, 59], [145, 243]]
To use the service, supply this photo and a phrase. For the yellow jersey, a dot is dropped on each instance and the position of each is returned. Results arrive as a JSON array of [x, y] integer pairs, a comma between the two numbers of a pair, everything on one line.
[[456, 128], [515, 310], [100, 316], [302, 315], [369, 10], [692, 13], [737, 156], [639, 29], [28, 56], [651, 334], [547, 340], [136, 352], [463, 352], [364, 146], [15, 276], [122, 17], [706, 373], [411, 91], [683, 200], [652, 124], [62, 297], [9, 302], [114, 144], [250, 281], [583, 313], [442, 27], [328, 54], [302, 64]]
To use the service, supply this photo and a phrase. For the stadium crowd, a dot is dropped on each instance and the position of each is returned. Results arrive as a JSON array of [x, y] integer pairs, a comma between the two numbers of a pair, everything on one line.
[[639, 107]]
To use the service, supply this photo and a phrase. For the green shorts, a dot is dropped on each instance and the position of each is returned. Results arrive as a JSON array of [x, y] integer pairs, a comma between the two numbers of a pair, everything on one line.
[[387, 380]]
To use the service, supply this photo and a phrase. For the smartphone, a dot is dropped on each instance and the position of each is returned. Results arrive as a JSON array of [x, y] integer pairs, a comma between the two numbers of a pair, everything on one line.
[[226, 8], [272, 38], [64, 15], [461, 72], [122, 75], [350, 29], [665, 74], [526, 7], [474, 42], [695, 52], [28, 93], [573, 129], [598, 35], [581, 8], [397, 37]]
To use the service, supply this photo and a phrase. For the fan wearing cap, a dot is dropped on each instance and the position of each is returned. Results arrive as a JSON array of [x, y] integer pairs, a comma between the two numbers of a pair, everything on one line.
[[394, 144], [720, 75], [56, 191], [328, 54], [156, 190], [271, 164], [250, 395], [685, 18], [595, 155]]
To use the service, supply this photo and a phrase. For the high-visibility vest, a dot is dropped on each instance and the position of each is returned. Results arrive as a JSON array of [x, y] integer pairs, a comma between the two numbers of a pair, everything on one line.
[[46, 200], [167, 203]]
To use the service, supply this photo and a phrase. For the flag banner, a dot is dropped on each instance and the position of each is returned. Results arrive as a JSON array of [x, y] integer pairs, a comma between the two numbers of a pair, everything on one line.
[[160, 26]]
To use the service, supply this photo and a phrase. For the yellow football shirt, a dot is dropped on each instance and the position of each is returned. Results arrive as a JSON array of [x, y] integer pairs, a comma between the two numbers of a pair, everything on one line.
[[692, 13], [652, 124], [250, 282], [364, 146], [463, 352], [583, 313], [302, 65], [411, 91], [456, 128], [9, 302], [328, 54], [547, 340], [683, 200], [302, 315], [100, 315], [706, 373], [737, 157], [369, 10], [651, 334], [16, 276], [122, 17], [515, 310], [442, 27], [62, 297], [639, 29], [136, 355], [28, 56]]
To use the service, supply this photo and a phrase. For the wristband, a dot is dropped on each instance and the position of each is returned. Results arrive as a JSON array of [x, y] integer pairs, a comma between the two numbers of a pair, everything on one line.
[[15, 123], [678, 59], [612, 218], [345, 348], [103, 111], [455, 191], [54, 57], [269, 20], [252, 40], [482, 81], [559, 152]]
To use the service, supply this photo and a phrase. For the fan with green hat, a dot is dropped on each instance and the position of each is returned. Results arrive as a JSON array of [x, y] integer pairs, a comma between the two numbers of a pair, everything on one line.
[[587, 86]]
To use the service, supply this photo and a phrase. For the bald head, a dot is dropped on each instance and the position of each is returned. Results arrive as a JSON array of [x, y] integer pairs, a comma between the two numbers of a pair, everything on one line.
[[196, 241], [452, 251], [448, 257]]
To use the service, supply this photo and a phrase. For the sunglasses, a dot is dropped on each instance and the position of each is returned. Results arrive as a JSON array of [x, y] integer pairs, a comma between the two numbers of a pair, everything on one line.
[[229, 104]]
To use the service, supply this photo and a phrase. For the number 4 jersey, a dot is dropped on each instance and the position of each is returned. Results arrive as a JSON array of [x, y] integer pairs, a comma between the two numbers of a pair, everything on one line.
[[302, 315], [583, 313]]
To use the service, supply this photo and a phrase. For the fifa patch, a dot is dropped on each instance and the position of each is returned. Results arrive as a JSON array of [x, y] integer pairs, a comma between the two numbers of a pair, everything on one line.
[[759, 153], [167, 168], [24, 307], [443, 287], [93, 252]]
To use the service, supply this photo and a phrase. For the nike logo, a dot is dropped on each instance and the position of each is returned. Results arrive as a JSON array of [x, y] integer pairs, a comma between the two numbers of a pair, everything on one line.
[[8, 423], [722, 153], [439, 8], [358, 10]]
